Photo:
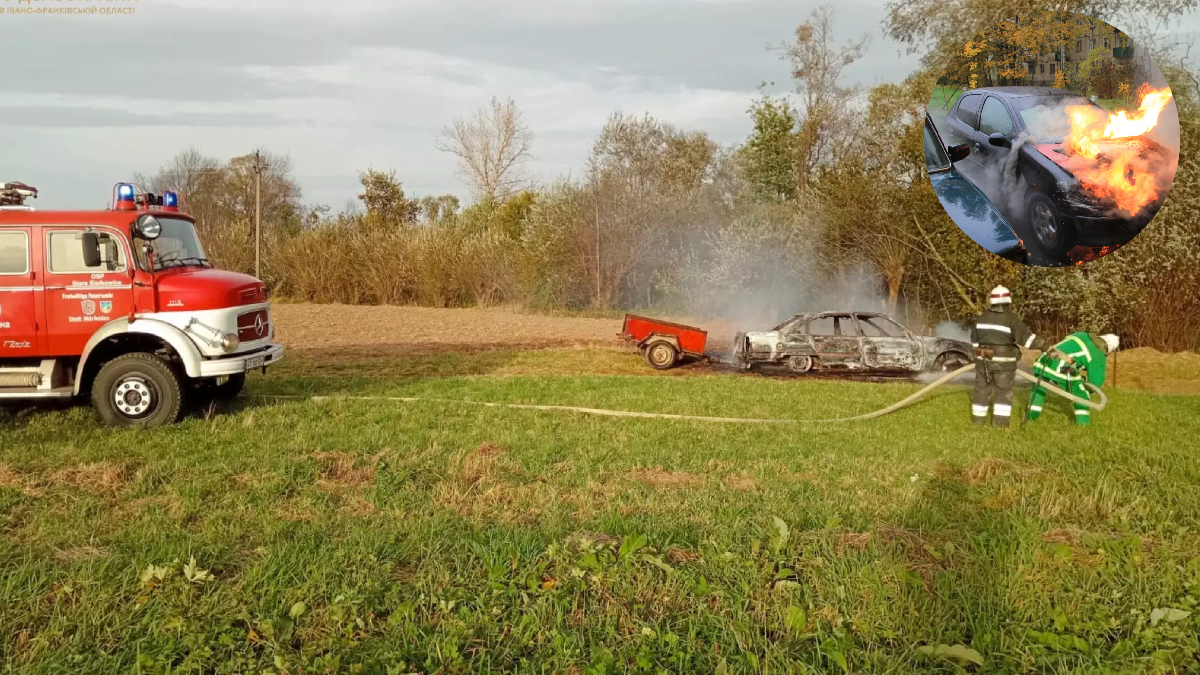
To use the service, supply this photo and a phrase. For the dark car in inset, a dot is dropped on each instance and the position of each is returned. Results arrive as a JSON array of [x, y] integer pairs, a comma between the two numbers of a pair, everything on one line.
[[853, 341], [1035, 187], [967, 206]]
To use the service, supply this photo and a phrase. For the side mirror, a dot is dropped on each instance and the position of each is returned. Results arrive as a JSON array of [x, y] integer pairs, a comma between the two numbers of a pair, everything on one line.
[[91, 249], [148, 227], [997, 139], [958, 152]]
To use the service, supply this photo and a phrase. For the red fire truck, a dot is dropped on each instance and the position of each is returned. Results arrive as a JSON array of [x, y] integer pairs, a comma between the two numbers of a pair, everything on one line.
[[123, 306]]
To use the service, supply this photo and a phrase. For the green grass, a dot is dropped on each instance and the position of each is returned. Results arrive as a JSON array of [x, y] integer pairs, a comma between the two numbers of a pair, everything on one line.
[[433, 537], [1115, 104], [942, 98]]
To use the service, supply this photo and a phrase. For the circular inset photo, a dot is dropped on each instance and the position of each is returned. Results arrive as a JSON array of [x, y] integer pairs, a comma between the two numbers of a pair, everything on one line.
[[1052, 139]]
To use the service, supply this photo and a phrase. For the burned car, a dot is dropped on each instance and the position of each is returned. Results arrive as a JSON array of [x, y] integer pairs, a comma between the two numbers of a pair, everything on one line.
[[856, 341], [1041, 155]]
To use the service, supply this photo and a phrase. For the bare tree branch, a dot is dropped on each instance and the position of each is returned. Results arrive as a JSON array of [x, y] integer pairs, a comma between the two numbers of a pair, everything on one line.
[[492, 146]]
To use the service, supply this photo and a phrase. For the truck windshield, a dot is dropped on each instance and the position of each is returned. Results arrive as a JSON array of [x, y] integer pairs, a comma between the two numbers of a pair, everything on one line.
[[177, 246]]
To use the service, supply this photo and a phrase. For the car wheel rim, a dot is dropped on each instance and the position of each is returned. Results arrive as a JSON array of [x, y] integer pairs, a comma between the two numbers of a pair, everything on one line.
[[660, 355], [134, 397], [800, 364], [1043, 224]]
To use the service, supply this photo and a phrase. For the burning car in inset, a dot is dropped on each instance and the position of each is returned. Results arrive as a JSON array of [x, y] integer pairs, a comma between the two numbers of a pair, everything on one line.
[[855, 341], [1070, 170]]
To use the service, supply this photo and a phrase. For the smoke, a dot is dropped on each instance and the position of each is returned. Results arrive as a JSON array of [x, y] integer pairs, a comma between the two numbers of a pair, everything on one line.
[[953, 331]]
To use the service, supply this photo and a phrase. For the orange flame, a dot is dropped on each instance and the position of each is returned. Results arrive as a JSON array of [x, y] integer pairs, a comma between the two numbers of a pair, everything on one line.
[[1121, 178]]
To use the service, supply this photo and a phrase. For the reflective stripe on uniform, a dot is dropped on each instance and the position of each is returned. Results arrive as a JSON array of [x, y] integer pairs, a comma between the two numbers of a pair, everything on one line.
[[1035, 408], [1003, 410], [979, 410], [1002, 359], [1086, 354], [993, 326], [1029, 342], [1083, 412]]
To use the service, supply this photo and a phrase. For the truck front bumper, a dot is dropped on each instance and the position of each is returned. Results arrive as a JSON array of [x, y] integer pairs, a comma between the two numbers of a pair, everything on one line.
[[241, 363]]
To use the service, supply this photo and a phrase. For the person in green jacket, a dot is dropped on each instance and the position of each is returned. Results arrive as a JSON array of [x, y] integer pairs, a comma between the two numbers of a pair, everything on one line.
[[1078, 358]]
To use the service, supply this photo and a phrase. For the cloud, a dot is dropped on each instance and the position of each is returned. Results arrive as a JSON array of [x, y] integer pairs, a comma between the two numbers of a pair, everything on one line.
[[341, 86]]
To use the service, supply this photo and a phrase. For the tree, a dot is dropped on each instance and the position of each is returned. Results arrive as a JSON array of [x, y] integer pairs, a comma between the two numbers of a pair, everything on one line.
[[769, 155], [942, 25], [439, 210], [491, 145], [827, 123], [222, 200], [384, 199], [190, 172]]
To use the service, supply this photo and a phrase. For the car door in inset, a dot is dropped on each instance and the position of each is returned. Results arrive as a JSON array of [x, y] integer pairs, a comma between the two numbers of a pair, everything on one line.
[[887, 345], [963, 130], [18, 314], [836, 340], [993, 119]]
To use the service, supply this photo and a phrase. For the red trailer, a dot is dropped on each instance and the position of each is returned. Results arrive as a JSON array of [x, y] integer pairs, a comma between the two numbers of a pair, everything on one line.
[[664, 343]]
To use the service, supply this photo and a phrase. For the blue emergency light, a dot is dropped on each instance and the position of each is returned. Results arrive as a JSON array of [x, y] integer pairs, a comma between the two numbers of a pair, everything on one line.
[[170, 199], [125, 196]]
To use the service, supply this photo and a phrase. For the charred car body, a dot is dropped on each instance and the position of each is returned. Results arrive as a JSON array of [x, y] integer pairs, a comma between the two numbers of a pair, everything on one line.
[[856, 341], [1036, 186]]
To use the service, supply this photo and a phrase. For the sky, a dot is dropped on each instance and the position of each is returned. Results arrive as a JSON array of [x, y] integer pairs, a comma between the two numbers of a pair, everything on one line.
[[340, 86]]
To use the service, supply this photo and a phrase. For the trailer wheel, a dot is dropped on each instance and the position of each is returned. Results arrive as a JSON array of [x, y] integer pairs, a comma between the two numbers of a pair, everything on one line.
[[138, 390], [800, 364], [661, 355]]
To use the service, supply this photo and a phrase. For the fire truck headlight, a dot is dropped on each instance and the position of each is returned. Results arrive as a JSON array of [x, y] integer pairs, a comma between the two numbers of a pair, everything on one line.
[[230, 342]]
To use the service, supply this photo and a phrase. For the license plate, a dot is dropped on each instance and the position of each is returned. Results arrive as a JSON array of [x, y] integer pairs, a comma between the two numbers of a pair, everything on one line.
[[256, 362]]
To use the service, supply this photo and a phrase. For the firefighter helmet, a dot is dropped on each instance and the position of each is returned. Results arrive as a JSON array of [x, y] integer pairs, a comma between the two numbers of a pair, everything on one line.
[[1112, 342], [1000, 296]]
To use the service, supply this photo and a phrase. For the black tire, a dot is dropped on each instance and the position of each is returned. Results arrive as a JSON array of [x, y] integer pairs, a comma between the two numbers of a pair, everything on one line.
[[950, 362], [138, 390], [661, 355], [1051, 233]]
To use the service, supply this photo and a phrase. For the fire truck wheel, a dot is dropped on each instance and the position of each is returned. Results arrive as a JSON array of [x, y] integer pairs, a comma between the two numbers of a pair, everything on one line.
[[138, 390], [661, 355]]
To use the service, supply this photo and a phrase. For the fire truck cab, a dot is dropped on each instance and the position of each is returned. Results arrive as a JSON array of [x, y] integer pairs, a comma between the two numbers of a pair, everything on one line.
[[122, 306]]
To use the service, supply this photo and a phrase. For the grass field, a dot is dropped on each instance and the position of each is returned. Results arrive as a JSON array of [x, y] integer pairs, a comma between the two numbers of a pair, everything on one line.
[[362, 536]]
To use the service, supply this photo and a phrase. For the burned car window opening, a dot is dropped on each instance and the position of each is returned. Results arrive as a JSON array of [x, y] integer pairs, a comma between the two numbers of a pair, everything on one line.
[[872, 329]]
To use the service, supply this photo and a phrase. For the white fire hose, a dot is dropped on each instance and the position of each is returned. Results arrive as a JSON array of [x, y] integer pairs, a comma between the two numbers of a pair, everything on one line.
[[1094, 405]]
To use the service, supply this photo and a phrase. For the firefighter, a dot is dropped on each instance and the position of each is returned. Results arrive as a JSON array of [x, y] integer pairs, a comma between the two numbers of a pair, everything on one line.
[[1078, 358], [998, 337]]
